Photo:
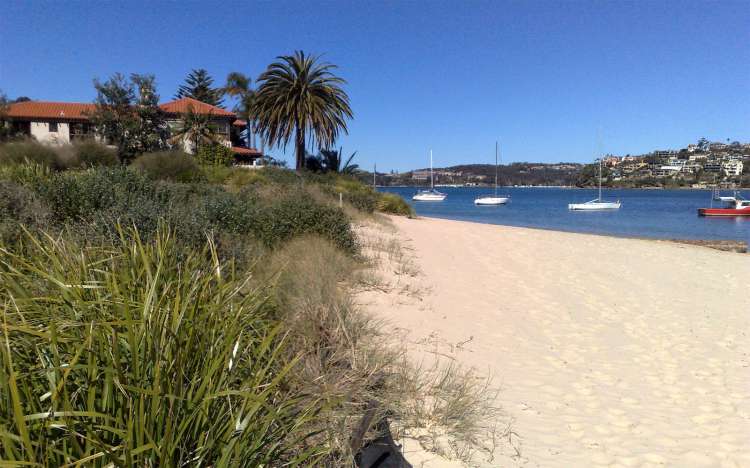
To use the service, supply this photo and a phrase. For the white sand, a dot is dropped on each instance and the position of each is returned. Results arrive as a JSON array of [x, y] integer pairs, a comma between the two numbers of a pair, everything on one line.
[[608, 351]]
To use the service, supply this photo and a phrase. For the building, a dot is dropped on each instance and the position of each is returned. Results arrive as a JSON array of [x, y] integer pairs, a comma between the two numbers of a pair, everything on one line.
[[59, 123], [732, 167], [712, 165]]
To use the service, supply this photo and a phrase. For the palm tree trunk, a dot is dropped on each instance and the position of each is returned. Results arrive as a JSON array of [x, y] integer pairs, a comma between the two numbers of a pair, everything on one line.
[[300, 146]]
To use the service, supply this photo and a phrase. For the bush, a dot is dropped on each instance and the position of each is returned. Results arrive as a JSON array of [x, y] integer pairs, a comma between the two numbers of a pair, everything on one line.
[[25, 152], [243, 177], [297, 214], [19, 206], [175, 166], [215, 155], [92, 154], [394, 204], [142, 354], [216, 174]]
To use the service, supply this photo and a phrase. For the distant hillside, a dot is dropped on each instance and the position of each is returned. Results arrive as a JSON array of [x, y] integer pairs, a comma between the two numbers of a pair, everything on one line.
[[484, 174]]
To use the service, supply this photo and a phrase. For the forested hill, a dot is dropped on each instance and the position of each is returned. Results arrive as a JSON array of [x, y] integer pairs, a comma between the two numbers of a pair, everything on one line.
[[511, 174]]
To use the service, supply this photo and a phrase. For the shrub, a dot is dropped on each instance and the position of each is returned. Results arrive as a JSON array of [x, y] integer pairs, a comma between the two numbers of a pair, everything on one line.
[[175, 166], [215, 155], [297, 214], [394, 204], [24, 152], [216, 174], [19, 206], [92, 154], [27, 174], [133, 355], [243, 177]]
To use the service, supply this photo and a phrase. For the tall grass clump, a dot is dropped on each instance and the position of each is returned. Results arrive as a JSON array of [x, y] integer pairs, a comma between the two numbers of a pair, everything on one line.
[[175, 166], [29, 152], [346, 357], [123, 355], [394, 204]]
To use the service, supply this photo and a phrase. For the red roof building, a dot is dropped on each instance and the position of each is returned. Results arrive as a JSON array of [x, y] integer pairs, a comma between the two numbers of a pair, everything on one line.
[[181, 106]]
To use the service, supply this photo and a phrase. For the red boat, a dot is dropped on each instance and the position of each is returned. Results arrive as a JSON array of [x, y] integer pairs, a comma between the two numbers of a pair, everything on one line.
[[736, 206]]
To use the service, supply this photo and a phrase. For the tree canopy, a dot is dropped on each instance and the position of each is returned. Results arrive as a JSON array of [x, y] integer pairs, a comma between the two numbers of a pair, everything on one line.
[[199, 85], [128, 115], [299, 96]]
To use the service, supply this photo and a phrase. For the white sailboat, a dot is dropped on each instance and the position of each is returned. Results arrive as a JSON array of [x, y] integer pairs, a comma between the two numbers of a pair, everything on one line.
[[597, 204], [493, 200], [432, 194]]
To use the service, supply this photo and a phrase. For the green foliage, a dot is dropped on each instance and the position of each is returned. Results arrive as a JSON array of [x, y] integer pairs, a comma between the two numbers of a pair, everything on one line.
[[332, 161], [360, 196], [30, 174], [215, 155], [297, 214], [244, 177], [24, 152], [393, 204], [142, 354], [298, 95], [217, 174], [199, 85], [169, 165], [19, 206], [133, 122], [89, 153], [196, 130]]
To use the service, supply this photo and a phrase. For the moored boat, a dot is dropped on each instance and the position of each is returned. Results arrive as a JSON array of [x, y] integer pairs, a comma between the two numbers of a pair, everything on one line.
[[493, 200], [597, 204], [432, 194], [736, 206]]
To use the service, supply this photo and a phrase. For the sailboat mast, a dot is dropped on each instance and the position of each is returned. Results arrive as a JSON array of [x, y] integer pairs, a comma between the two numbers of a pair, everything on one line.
[[496, 149], [374, 174], [600, 178], [432, 181]]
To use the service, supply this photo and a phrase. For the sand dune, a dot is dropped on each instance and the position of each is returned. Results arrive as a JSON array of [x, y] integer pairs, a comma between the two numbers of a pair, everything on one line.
[[609, 351]]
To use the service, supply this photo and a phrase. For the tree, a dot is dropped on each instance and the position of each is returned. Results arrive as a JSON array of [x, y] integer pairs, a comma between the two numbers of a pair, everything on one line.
[[297, 96], [333, 161], [240, 86], [199, 85], [197, 129], [127, 115], [5, 130]]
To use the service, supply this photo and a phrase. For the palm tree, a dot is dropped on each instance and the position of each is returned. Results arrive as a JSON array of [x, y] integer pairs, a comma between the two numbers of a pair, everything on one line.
[[197, 129], [239, 86], [300, 96], [333, 161]]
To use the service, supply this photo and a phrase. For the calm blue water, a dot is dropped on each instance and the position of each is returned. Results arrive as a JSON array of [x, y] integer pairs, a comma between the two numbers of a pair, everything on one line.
[[662, 214]]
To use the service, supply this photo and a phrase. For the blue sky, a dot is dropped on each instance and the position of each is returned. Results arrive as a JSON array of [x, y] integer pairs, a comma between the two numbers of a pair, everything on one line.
[[544, 77]]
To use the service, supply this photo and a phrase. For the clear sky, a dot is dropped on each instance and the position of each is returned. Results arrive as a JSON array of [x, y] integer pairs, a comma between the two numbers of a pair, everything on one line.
[[543, 76]]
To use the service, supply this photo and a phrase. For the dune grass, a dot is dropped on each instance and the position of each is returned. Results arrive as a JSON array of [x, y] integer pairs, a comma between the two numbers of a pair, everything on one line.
[[124, 355]]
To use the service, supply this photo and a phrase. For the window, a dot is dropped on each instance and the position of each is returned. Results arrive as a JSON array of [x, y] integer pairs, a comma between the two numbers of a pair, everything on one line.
[[53, 127]]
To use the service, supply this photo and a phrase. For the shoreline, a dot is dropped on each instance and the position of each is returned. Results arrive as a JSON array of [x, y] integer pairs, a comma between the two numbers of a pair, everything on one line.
[[607, 350], [687, 241]]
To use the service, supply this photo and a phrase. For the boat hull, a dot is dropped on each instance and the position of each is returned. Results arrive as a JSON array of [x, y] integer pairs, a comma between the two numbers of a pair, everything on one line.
[[491, 201], [724, 211], [428, 197], [593, 206]]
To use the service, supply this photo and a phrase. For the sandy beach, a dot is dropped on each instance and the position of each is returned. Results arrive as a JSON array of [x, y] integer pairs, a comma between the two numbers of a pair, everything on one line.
[[607, 351]]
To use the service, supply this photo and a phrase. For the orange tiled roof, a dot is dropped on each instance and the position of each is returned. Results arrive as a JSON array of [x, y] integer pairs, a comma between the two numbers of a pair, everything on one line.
[[246, 151], [240, 123], [79, 110], [51, 110], [180, 106]]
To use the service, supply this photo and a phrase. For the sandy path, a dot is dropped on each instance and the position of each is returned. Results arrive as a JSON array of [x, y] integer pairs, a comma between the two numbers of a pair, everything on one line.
[[609, 351]]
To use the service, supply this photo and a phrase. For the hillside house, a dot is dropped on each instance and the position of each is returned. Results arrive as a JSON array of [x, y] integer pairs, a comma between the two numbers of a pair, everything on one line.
[[59, 123]]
